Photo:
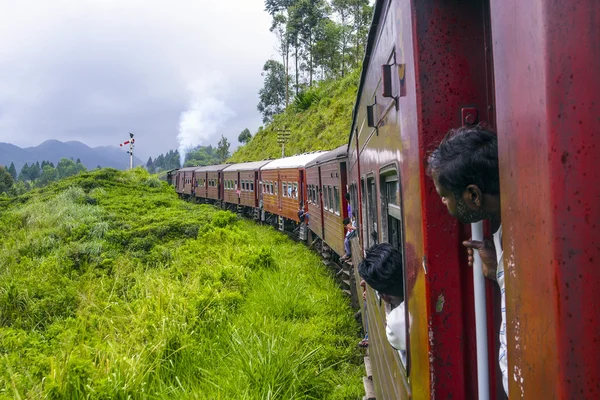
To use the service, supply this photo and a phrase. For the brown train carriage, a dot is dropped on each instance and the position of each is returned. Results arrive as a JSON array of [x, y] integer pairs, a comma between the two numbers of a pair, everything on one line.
[[241, 183], [212, 175], [326, 187], [185, 181], [201, 183], [285, 174]]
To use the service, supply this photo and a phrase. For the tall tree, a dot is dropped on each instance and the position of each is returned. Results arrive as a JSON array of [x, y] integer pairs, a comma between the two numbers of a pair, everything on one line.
[[223, 149], [245, 136], [272, 95], [49, 174], [12, 171], [24, 174], [6, 180], [361, 16]]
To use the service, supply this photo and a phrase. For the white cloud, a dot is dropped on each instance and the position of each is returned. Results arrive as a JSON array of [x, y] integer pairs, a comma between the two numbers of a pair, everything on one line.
[[92, 70]]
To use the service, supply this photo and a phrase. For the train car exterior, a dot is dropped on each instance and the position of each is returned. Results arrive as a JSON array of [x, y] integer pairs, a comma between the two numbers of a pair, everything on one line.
[[185, 181], [212, 174], [282, 184], [326, 187], [201, 183], [431, 66], [417, 83], [241, 184]]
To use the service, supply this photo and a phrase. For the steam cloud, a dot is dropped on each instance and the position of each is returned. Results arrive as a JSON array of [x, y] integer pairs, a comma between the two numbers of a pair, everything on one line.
[[204, 116]]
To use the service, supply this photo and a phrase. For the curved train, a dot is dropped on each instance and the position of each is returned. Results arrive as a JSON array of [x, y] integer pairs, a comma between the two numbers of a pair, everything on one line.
[[527, 69]]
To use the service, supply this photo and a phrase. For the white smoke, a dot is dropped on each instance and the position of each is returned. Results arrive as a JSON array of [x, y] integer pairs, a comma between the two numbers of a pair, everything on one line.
[[204, 116]]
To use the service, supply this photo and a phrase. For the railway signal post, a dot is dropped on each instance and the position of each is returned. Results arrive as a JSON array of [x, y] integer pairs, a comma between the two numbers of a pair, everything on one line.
[[131, 143], [283, 136]]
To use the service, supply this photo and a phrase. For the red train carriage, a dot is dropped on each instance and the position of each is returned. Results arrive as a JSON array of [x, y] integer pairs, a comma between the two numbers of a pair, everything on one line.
[[241, 184], [201, 183], [185, 181], [282, 185], [326, 186], [212, 176], [434, 65]]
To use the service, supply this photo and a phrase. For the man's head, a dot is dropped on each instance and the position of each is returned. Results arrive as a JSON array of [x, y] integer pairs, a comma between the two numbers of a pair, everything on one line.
[[465, 172], [347, 196], [346, 221], [382, 269]]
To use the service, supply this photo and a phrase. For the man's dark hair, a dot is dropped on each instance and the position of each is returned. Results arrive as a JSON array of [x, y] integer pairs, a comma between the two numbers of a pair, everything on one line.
[[346, 221], [382, 269], [467, 156], [347, 196]]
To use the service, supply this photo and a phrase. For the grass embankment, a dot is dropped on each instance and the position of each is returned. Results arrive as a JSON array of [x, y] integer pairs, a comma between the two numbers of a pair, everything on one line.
[[319, 120], [113, 288]]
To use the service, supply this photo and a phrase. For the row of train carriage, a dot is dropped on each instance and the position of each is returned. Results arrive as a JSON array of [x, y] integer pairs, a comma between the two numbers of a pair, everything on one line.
[[276, 190], [526, 68]]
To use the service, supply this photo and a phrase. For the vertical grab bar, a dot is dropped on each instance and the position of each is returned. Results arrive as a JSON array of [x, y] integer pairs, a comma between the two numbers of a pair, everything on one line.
[[483, 383]]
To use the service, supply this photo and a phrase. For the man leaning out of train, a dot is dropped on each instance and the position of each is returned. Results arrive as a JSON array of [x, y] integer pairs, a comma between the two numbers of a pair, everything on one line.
[[382, 270], [464, 169]]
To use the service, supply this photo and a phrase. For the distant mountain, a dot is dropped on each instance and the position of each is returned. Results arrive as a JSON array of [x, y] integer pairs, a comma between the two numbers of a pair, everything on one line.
[[54, 150]]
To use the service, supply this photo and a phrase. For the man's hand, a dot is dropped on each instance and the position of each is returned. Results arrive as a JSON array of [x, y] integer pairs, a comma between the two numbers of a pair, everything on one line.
[[487, 252], [364, 286]]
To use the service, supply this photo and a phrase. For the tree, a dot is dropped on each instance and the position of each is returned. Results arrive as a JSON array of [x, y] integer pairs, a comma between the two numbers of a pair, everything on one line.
[[12, 171], [6, 180], [49, 174], [245, 136], [24, 174], [223, 149], [201, 156], [67, 167], [272, 95]]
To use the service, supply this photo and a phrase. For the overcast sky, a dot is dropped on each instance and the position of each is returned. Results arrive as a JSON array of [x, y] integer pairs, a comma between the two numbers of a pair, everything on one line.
[[93, 70]]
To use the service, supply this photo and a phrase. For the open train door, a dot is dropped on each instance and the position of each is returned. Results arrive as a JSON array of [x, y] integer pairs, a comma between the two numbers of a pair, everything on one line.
[[546, 61]]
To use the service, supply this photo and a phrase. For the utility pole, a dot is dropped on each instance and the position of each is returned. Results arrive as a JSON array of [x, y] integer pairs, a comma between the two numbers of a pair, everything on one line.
[[283, 135], [131, 143]]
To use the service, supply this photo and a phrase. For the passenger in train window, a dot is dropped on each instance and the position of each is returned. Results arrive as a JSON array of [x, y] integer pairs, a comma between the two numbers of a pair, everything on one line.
[[465, 172], [350, 228], [303, 214], [382, 269], [347, 197]]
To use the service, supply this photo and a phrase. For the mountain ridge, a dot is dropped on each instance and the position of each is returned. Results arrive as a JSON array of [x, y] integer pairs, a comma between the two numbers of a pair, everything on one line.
[[53, 150]]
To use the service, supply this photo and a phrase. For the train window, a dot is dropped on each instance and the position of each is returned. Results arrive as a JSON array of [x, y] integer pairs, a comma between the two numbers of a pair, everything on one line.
[[252, 186], [276, 188], [284, 189], [295, 191], [336, 198], [330, 198], [372, 233], [271, 188]]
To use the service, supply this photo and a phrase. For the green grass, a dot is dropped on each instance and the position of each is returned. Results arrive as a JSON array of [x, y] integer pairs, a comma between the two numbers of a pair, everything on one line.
[[113, 288], [318, 119]]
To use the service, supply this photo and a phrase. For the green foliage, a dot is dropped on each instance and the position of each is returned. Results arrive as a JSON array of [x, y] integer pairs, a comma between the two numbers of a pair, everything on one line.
[[272, 94], [113, 288], [6, 180], [320, 121], [245, 136], [223, 149], [201, 156], [164, 162]]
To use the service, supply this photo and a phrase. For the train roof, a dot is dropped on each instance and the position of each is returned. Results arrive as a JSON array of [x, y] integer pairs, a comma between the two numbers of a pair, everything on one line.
[[187, 169], [212, 168], [248, 166], [335, 154], [292, 162]]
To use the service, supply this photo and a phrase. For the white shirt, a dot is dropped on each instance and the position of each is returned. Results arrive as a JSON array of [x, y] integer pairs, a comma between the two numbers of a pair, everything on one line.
[[395, 330], [502, 355]]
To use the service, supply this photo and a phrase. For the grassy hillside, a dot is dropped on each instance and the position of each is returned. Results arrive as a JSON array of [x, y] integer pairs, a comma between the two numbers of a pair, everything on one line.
[[319, 121], [113, 288]]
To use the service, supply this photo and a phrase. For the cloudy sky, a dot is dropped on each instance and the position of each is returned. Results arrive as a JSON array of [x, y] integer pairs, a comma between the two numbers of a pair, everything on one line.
[[93, 70]]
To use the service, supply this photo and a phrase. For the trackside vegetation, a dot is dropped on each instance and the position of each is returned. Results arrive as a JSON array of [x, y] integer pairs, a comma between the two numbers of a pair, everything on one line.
[[113, 288], [318, 119]]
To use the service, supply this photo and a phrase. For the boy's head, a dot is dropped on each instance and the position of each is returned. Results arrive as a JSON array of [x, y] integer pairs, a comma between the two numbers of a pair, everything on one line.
[[346, 221], [382, 269], [347, 196], [464, 168]]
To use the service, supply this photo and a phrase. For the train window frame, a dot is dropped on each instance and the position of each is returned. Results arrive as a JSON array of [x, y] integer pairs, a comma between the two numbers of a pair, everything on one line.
[[295, 190], [388, 175], [330, 197], [336, 198], [283, 189], [373, 227], [252, 186], [276, 188], [325, 201]]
